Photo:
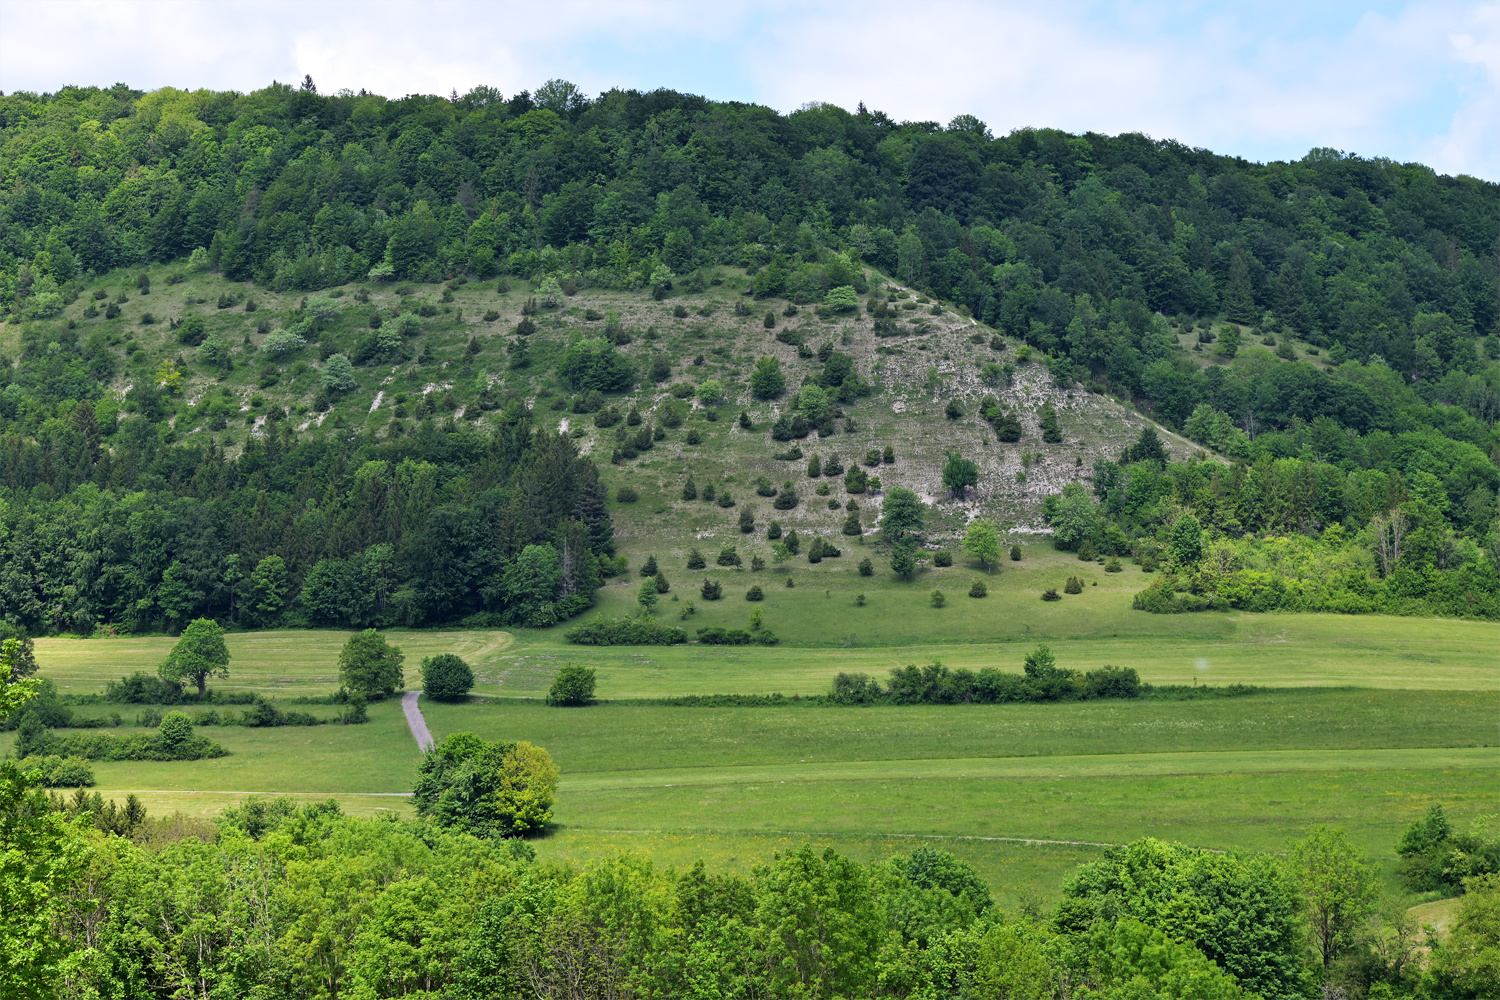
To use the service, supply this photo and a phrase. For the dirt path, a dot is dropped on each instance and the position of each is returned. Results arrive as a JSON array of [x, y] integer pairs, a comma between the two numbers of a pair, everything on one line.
[[414, 720]]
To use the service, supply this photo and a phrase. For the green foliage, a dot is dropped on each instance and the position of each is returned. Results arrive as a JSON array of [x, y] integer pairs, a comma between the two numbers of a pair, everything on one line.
[[1250, 931], [486, 789], [767, 380], [1339, 890], [978, 589], [959, 474], [338, 375], [198, 655], [936, 684], [371, 667], [625, 632], [446, 677], [573, 686], [901, 512]]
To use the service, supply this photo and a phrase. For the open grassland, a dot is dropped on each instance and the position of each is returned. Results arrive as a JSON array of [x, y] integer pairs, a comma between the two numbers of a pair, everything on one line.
[[279, 663], [1397, 714], [635, 737], [1267, 650]]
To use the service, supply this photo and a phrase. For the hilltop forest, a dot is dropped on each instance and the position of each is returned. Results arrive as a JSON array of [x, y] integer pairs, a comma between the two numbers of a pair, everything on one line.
[[1090, 250]]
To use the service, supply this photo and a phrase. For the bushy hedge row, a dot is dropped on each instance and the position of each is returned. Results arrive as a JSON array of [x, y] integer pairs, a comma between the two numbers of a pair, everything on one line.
[[174, 740], [58, 772], [141, 688], [936, 684], [1463, 592], [625, 632], [716, 635]]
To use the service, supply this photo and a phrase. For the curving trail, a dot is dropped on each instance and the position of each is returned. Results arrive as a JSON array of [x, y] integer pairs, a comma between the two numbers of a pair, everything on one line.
[[414, 720]]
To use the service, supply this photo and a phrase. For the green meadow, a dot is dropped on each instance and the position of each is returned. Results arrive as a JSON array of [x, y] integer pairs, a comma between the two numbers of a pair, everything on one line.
[[1372, 720]]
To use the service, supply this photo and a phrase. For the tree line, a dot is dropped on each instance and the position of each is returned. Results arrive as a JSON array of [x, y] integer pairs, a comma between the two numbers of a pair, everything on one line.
[[1408, 528], [443, 524]]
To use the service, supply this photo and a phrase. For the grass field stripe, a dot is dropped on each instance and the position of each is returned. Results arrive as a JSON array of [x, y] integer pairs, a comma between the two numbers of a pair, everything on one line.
[[1054, 768]]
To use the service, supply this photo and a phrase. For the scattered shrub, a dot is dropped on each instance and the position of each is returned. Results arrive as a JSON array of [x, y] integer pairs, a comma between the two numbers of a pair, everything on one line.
[[1051, 594], [573, 686], [1073, 586], [627, 494], [755, 594], [942, 558], [979, 589], [446, 677], [711, 590], [937, 599]]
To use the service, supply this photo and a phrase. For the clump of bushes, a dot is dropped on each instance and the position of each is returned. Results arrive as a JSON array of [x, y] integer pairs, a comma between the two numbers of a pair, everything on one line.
[[935, 684], [573, 686], [52, 771], [174, 739], [625, 632], [715, 635]]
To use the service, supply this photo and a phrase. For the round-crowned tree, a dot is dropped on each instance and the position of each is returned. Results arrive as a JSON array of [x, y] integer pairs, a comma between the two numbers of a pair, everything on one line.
[[370, 667], [573, 685], [446, 677]]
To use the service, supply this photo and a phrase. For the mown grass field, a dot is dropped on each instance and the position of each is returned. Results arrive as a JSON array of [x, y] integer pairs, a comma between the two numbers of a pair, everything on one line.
[[1393, 714]]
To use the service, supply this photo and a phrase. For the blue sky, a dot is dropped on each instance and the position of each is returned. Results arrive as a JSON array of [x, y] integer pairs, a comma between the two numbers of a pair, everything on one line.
[[1409, 81]]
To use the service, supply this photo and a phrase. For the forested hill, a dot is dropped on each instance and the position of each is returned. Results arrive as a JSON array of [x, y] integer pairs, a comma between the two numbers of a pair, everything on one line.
[[1335, 311], [1070, 242]]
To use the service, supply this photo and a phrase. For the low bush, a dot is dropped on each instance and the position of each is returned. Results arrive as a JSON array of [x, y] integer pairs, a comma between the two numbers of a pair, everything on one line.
[[53, 771], [715, 635], [625, 632], [942, 558], [573, 686], [1051, 594], [979, 589], [446, 677], [627, 494], [755, 594], [1073, 586], [711, 590], [937, 599]]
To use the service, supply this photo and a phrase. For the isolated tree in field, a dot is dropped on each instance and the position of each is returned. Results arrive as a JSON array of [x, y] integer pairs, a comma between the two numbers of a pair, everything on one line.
[[199, 654], [959, 474], [767, 380], [573, 685], [371, 667], [982, 541], [486, 789], [1338, 887], [446, 677], [646, 598], [900, 513]]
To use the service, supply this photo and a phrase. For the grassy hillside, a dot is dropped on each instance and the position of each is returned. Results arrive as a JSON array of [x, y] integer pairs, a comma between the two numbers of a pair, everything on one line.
[[438, 374]]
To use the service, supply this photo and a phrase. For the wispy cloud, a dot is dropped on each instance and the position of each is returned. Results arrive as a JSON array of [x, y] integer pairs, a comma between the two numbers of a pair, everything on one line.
[[1417, 80]]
